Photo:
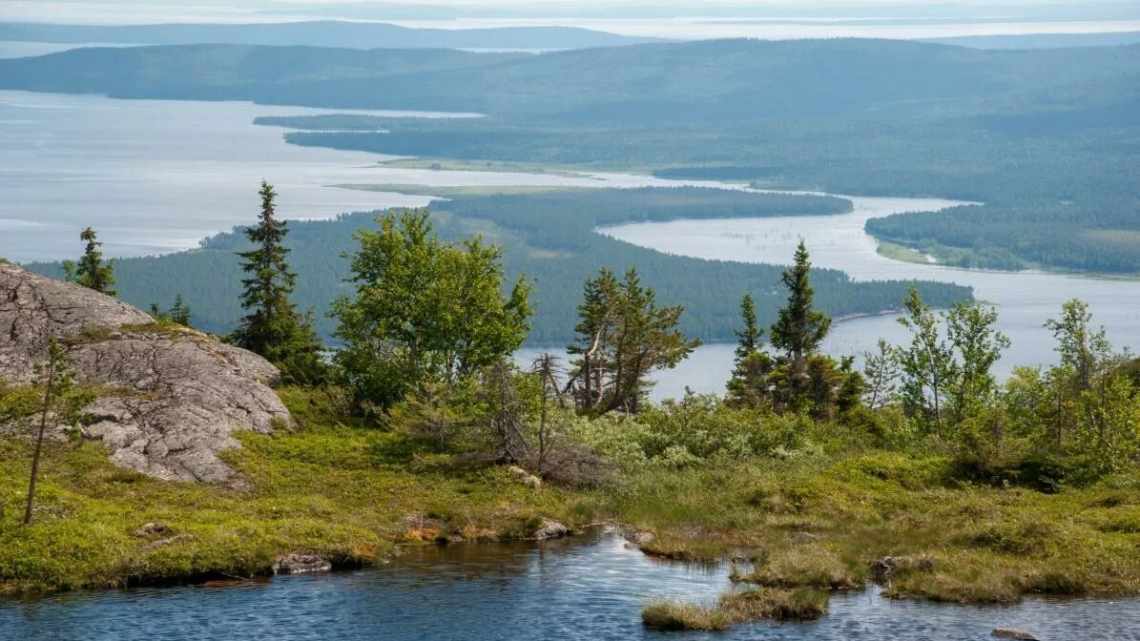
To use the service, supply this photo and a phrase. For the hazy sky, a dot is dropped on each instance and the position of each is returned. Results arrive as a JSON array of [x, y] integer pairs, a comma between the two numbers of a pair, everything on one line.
[[114, 11]]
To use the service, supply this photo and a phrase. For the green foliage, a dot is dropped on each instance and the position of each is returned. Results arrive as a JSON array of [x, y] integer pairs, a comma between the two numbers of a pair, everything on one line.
[[272, 327], [799, 380], [926, 364], [623, 337], [424, 311], [179, 312], [91, 272], [799, 327]]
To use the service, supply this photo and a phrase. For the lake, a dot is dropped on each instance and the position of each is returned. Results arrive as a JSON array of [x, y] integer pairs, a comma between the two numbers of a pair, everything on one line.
[[1024, 299], [589, 588], [158, 176]]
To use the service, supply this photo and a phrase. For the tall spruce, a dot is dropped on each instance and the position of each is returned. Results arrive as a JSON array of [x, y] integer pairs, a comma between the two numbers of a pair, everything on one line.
[[799, 328], [273, 327], [750, 337], [91, 272], [752, 367]]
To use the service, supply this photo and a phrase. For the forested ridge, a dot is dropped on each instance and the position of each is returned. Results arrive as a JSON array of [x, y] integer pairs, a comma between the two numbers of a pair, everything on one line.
[[548, 237]]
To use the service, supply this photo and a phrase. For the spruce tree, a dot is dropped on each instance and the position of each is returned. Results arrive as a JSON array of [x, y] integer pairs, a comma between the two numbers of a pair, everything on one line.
[[92, 272], [751, 336], [272, 327], [748, 386], [799, 328], [180, 311]]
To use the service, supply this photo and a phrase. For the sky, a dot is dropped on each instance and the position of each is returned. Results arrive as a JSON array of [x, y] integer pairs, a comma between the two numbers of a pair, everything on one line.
[[138, 11]]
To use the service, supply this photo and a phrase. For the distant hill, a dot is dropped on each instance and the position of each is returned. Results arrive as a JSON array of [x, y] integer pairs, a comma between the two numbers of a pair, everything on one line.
[[710, 83], [352, 35], [1043, 40]]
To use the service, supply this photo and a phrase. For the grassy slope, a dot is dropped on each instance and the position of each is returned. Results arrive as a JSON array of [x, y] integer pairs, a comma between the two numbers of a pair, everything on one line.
[[811, 521]]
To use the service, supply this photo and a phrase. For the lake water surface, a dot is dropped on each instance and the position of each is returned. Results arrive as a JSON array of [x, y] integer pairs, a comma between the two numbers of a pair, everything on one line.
[[158, 176], [588, 589], [1024, 300]]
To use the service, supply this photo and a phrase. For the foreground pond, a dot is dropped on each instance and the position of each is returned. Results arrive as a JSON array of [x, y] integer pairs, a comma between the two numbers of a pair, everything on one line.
[[588, 588]]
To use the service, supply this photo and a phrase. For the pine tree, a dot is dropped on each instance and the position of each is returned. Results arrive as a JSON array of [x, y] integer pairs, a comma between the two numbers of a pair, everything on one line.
[[799, 328], [625, 336], [272, 327], [180, 311], [751, 337], [748, 386], [597, 315], [92, 272]]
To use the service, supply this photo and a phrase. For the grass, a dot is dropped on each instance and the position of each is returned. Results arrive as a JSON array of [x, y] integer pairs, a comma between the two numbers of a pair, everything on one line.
[[814, 521], [821, 522], [895, 251], [338, 489], [735, 608]]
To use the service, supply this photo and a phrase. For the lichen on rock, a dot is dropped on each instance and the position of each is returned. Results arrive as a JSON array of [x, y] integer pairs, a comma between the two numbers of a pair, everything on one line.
[[172, 397]]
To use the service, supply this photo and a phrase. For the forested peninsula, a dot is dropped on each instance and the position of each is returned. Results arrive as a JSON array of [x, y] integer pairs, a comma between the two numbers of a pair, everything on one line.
[[551, 237]]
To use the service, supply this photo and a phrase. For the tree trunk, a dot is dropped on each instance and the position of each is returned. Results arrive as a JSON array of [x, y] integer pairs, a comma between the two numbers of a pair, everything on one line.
[[40, 438]]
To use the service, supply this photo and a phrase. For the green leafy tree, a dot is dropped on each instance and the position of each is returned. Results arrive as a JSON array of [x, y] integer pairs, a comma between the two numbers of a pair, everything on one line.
[[272, 326], [424, 310], [799, 327], [972, 331], [624, 336], [1082, 348], [91, 272], [881, 372], [927, 364]]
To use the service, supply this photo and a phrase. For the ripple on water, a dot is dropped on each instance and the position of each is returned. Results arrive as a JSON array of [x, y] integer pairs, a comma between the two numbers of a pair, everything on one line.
[[590, 588]]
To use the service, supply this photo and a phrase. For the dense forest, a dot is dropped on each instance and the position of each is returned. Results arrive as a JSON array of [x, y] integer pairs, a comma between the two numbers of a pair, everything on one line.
[[550, 238], [1101, 235]]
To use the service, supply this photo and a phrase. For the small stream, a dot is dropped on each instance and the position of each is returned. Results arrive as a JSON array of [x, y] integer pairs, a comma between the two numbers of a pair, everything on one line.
[[588, 588]]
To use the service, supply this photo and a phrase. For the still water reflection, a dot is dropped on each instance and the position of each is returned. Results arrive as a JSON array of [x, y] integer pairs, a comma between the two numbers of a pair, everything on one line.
[[587, 589]]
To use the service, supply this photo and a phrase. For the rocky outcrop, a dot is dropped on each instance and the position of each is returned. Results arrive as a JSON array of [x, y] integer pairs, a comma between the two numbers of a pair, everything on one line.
[[170, 398]]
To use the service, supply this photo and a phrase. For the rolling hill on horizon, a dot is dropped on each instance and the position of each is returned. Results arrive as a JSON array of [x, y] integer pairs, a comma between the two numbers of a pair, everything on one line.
[[320, 33]]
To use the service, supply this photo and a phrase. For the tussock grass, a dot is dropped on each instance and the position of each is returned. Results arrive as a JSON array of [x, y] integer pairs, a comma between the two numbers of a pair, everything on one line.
[[676, 616], [735, 608]]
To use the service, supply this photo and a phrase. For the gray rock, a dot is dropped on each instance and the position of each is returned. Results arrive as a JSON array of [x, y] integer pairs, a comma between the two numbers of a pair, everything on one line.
[[524, 477], [884, 569], [640, 537], [161, 543], [301, 564], [1014, 633], [172, 398], [152, 529], [549, 529]]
